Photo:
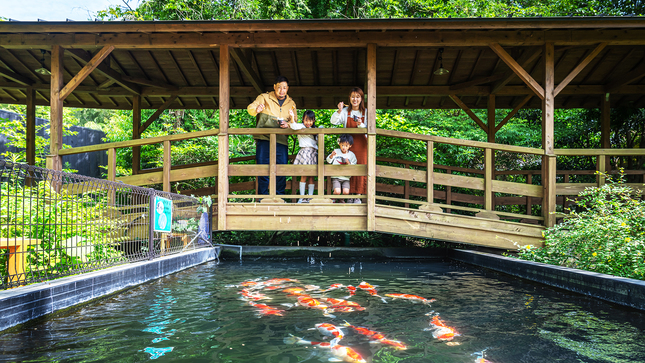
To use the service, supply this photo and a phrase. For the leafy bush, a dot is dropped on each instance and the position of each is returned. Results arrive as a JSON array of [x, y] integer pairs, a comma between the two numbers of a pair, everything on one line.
[[603, 232]]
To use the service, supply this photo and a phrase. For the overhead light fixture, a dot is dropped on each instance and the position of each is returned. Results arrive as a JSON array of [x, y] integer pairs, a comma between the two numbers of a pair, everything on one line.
[[441, 70], [42, 70]]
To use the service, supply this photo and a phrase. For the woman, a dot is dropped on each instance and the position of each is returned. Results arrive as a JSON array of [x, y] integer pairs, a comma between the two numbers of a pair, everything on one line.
[[353, 116]]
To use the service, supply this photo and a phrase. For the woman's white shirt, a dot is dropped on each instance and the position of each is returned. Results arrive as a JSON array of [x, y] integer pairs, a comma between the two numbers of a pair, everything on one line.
[[341, 119]]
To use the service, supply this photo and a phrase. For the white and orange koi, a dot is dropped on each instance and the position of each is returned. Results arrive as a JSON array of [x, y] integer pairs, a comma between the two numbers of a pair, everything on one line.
[[479, 357], [337, 352], [370, 289], [330, 330], [414, 298], [377, 337], [440, 330], [295, 291], [334, 287], [252, 295], [309, 302]]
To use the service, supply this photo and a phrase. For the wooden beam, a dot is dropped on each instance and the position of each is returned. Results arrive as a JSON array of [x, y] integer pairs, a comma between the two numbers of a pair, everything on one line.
[[605, 117], [525, 59], [85, 71], [157, 113], [477, 81], [430, 172], [518, 69], [108, 72], [468, 111], [15, 77], [247, 69], [548, 102], [513, 112], [634, 75], [579, 68], [490, 116], [223, 139], [350, 39]]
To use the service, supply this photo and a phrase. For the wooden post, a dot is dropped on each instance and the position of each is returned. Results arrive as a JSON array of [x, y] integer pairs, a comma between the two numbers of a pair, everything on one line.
[[30, 126], [430, 173], [321, 164], [406, 187], [565, 203], [167, 164], [222, 151], [272, 165], [600, 167], [491, 138], [605, 131], [54, 161], [488, 179], [371, 136], [111, 173], [529, 204], [549, 159], [136, 124]]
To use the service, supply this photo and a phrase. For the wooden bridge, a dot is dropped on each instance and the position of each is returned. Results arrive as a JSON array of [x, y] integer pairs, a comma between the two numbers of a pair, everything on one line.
[[510, 64]]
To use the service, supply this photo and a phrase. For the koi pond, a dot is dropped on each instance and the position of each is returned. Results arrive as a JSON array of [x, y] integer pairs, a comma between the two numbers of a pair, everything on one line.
[[312, 310]]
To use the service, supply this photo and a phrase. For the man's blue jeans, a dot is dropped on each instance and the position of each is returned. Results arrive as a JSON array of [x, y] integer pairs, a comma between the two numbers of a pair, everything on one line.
[[262, 148]]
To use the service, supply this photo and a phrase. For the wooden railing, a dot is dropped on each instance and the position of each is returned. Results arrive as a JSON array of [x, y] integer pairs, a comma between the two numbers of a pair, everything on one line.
[[483, 183]]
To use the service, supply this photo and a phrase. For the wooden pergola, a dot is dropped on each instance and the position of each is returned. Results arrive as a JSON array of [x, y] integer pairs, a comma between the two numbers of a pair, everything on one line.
[[543, 63]]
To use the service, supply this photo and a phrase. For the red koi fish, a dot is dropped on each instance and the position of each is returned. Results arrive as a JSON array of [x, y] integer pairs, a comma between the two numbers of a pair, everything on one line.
[[352, 291], [335, 303], [440, 330], [411, 298], [264, 310], [337, 352], [376, 337]]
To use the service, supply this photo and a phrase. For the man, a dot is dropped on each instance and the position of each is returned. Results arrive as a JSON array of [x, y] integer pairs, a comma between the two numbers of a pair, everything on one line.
[[269, 110]]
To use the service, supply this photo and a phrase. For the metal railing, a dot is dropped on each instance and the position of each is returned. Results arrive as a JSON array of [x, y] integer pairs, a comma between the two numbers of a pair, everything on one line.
[[54, 224]]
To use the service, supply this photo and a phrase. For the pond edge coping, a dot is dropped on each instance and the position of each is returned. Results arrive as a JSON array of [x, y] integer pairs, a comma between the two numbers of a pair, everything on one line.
[[22, 304], [619, 290]]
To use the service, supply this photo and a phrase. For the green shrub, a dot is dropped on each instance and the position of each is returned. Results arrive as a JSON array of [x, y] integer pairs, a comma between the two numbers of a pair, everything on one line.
[[602, 232]]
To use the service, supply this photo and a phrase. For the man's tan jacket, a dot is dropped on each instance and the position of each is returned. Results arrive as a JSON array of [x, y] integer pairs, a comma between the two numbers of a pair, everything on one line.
[[272, 111]]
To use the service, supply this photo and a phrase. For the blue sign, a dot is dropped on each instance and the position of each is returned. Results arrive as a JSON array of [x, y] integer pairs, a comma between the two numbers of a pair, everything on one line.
[[162, 215]]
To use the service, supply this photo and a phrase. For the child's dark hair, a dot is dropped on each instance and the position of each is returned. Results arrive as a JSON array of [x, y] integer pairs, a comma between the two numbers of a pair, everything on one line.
[[346, 138], [312, 116]]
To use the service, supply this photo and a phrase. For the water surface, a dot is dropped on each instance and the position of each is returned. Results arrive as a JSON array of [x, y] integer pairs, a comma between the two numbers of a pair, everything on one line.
[[193, 316]]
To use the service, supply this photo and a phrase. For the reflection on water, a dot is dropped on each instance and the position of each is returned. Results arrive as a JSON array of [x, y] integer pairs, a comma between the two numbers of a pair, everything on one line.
[[193, 317]]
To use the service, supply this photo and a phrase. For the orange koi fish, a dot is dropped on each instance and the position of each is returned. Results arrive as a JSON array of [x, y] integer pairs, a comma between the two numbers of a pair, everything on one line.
[[376, 337], [338, 352], [411, 298], [309, 302], [264, 310], [335, 303], [248, 283], [341, 309], [440, 330]]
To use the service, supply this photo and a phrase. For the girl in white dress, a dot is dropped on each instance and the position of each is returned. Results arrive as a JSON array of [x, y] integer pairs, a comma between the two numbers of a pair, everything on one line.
[[308, 153]]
